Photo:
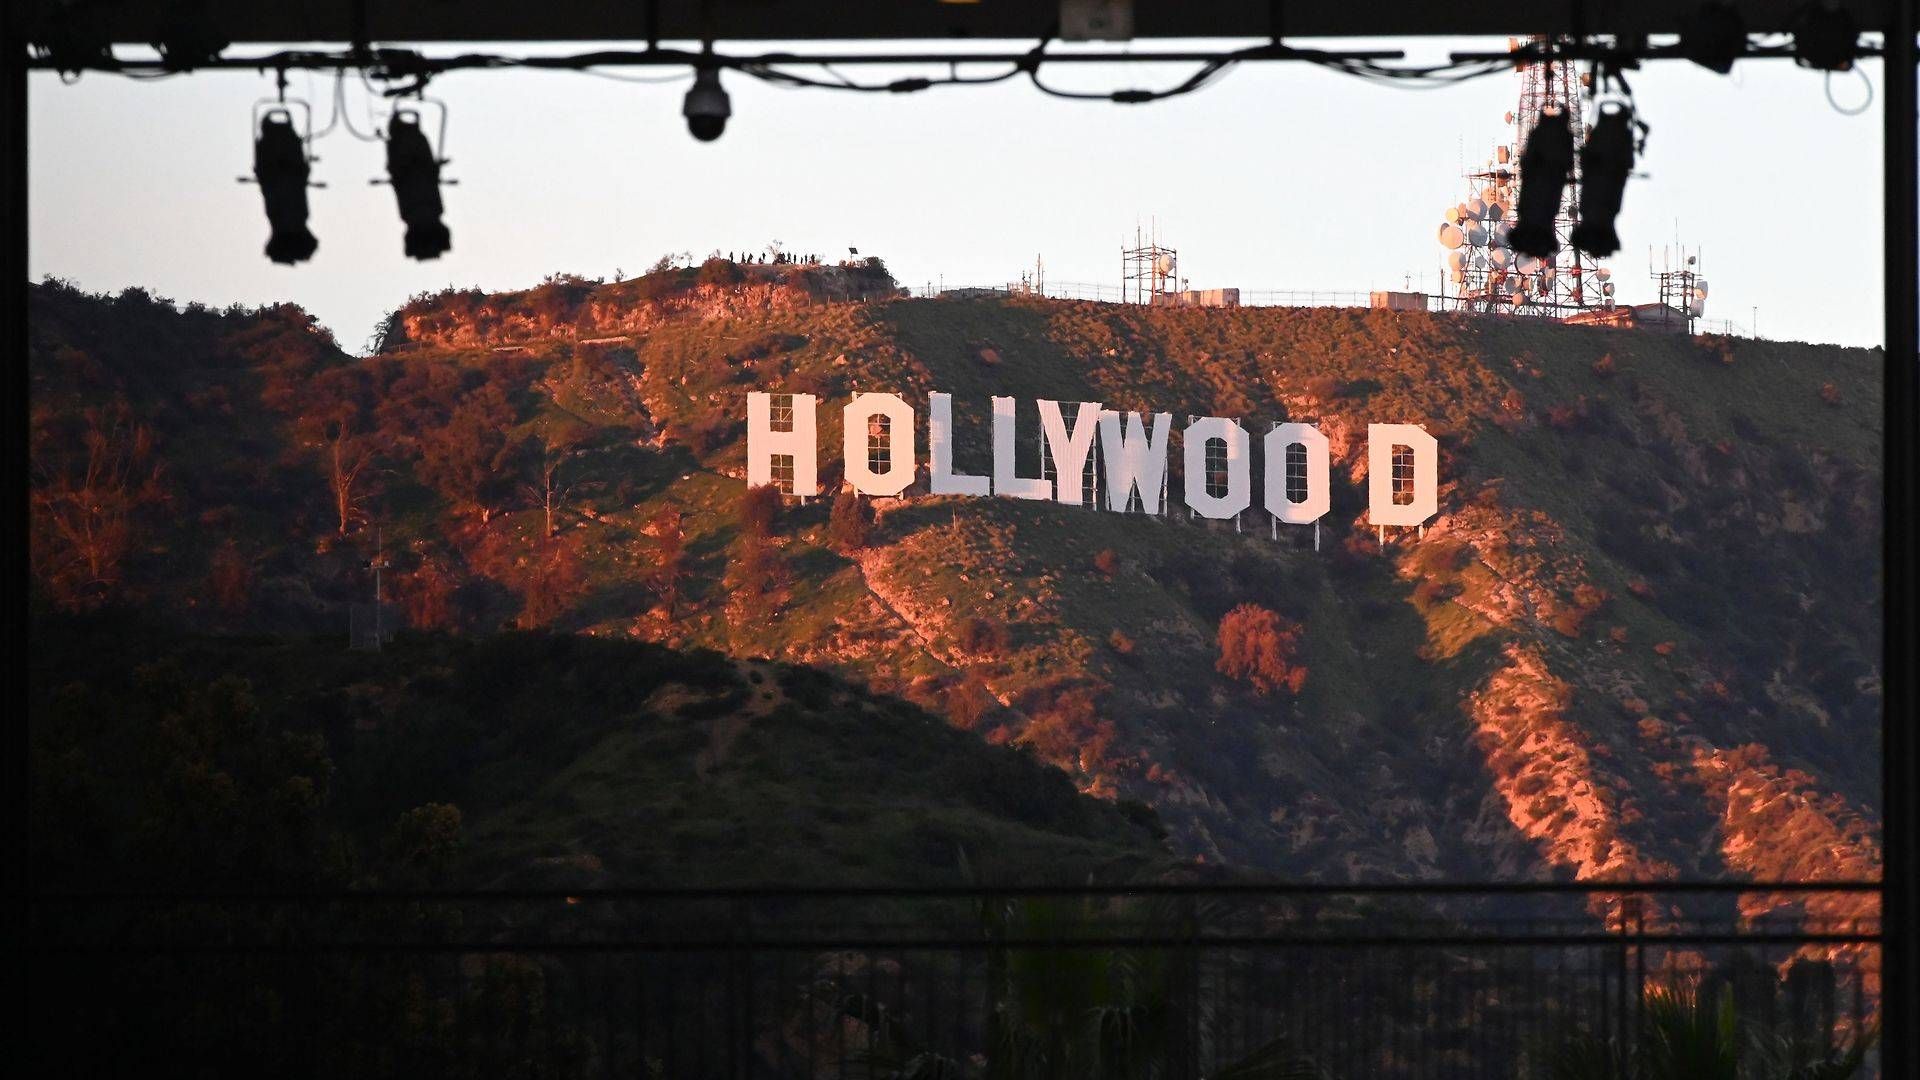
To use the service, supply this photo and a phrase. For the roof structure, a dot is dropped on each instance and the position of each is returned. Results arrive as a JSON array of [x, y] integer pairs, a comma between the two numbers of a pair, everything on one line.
[[433, 21]]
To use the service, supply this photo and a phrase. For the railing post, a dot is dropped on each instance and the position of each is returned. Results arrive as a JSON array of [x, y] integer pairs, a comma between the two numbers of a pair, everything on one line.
[[1623, 1031]]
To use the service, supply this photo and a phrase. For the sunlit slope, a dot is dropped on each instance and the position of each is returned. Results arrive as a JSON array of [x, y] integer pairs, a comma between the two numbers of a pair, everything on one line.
[[1639, 638]]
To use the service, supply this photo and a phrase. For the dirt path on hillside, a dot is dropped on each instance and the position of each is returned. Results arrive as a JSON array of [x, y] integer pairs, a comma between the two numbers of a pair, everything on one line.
[[896, 604]]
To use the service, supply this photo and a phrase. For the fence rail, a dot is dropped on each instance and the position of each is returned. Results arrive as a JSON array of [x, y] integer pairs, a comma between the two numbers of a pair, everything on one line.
[[1163, 980], [1113, 294]]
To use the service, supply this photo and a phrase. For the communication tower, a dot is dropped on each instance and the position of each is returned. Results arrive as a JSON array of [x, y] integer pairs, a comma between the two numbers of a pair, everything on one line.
[[1483, 273], [1683, 292], [1148, 269]]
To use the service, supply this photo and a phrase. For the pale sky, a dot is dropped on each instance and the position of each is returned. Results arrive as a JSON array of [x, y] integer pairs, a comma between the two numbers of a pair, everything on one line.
[[1276, 176]]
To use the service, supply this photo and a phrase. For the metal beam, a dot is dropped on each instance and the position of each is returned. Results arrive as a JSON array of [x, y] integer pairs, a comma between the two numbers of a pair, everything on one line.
[[439, 21], [1900, 761]]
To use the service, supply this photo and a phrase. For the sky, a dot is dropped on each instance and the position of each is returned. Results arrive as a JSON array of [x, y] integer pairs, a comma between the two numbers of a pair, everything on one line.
[[1275, 176]]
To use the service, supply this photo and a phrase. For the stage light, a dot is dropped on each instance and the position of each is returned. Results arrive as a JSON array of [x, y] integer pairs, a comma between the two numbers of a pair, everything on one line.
[[1713, 36], [707, 107], [281, 168], [1545, 166], [1604, 164], [1825, 37], [414, 170]]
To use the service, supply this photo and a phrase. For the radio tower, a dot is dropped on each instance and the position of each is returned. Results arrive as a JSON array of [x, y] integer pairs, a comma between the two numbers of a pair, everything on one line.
[[1488, 276]]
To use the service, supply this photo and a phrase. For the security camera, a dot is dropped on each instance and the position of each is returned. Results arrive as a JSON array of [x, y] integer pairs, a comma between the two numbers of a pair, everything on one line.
[[707, 107]]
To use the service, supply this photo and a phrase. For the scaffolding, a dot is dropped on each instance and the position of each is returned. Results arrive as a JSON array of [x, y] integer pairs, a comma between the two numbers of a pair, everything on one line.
[[1683, 292], [1148, 269]]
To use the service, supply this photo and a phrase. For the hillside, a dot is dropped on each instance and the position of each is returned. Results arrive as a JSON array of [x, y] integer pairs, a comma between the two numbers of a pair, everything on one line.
[[1641, 638], [520, 760]]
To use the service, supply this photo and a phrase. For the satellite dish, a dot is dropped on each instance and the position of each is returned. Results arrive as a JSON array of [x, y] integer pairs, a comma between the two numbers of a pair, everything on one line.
[[1457, 259], [1478, 235], [1164, 264], [1457, 274], [1607, 289], [1499, 258], [1475, 208], [1602, 274], [1451, 236], [1700, 286], [1698, 307], [1503, 154], [1500, 233], [1479, 260], [1525, 263], [1452, 215]]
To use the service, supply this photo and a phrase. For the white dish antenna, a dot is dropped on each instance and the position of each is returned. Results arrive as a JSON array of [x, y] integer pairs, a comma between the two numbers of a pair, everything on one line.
[[1451, 236]]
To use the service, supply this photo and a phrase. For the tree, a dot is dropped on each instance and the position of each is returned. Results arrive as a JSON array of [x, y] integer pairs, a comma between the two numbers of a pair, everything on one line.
[[556, 451], [968, 701], [759, 509], [230, 579], [979, 634], [758, 572], [669, 534], [849, 522], [721, 272], [469, 458], [348, 455], [424, 840], [335, 424], [1257, 646], [551, 581], [427, 594], [85, 502]]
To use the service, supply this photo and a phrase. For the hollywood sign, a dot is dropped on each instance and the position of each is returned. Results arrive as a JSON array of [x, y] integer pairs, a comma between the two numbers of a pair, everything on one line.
[[1132, 458]]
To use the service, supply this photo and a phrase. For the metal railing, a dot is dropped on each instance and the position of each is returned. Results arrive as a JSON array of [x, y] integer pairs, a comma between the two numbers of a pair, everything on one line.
[[1113, 294], [1165, 980]]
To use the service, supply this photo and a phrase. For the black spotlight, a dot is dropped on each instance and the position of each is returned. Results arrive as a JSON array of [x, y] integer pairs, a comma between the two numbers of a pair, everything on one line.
[[414, 170], [1604, 164], [1825, 38], [1545, 166], [1713, 37], [280, 168], [707, 107]]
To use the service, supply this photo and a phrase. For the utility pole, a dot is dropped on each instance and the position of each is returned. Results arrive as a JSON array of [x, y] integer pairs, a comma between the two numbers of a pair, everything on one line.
[[379, 563]]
